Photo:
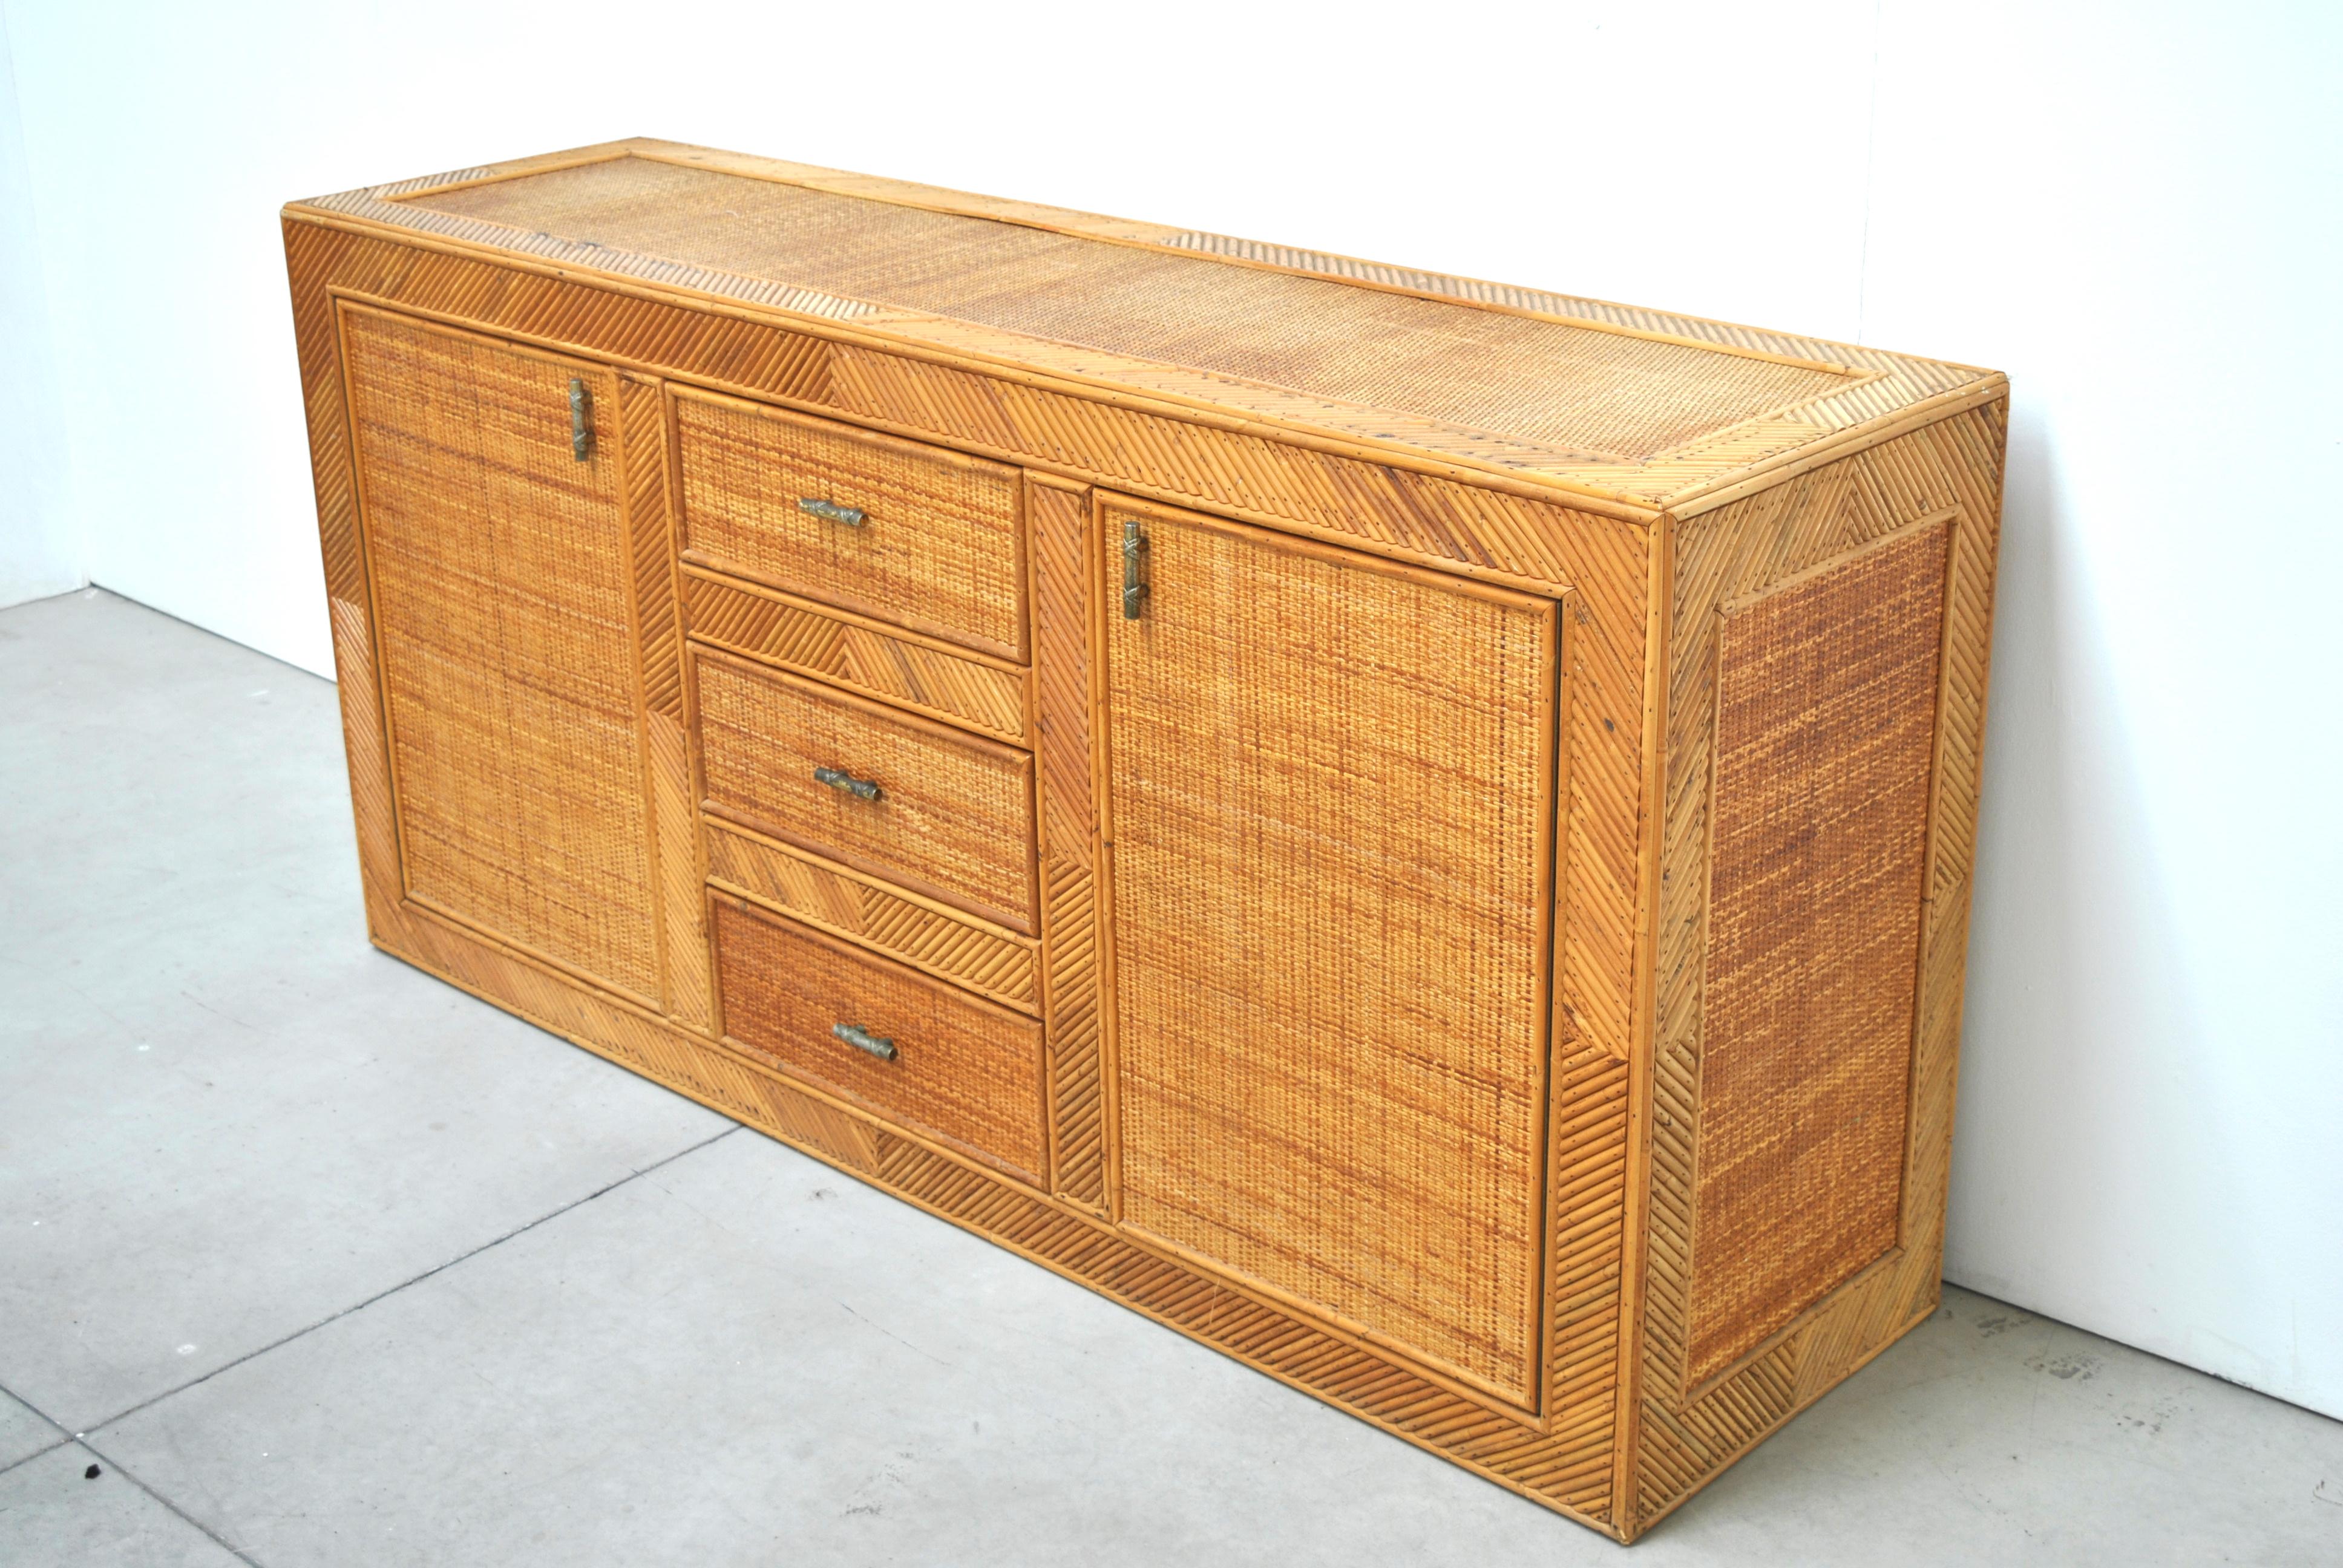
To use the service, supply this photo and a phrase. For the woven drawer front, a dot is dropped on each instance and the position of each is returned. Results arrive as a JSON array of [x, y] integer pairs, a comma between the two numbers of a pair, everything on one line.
[[982, 958], [935, 547], [777, 629], [962, 1069], [953, 817]]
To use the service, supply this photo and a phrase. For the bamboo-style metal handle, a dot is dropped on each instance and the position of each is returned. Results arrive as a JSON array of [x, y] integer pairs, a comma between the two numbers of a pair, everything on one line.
[[838, 778], [582, 419], [1134, 565], [831, 511], [861, 1038]]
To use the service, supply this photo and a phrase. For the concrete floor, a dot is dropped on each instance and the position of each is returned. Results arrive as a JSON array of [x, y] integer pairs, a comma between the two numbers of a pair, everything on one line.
[[322, 1262]]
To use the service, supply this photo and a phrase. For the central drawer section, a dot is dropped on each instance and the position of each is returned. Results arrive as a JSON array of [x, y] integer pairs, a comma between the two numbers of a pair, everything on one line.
[[914, 535], [925, 806]]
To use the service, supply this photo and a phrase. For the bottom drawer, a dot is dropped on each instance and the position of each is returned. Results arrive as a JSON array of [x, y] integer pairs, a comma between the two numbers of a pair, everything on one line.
[[962, 1070]]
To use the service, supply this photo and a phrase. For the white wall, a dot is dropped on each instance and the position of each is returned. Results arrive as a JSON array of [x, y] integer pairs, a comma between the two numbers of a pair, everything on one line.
[[2131, 208], [37, 555]]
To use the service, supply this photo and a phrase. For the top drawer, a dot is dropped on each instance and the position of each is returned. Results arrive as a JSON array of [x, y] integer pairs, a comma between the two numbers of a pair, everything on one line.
[[915, 535]]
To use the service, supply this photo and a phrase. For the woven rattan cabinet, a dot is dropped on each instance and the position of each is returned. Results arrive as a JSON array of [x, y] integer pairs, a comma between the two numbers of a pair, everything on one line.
[[1414, 830]]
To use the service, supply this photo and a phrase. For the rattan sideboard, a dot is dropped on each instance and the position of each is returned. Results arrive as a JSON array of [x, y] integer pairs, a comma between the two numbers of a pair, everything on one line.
[[1414, 830]]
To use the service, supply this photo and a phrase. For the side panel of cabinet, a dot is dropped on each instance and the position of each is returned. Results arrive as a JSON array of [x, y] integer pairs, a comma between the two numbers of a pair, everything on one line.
[[501, 570], [1328, 798]]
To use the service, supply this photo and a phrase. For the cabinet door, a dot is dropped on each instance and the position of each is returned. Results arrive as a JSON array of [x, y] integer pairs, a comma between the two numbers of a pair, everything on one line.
[[498, 566], [1329, 790]]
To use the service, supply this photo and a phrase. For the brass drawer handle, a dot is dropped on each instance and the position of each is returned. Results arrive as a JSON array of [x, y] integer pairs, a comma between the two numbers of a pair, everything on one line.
[[837, 778], [831, 511], [861, 1038], [582, 419], [1134, 559]]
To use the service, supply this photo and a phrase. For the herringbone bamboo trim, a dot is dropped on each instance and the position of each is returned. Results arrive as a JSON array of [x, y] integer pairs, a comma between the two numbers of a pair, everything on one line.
[[1058, 549], [666, 751], [1951, 467], [780, 629], [988, 960]]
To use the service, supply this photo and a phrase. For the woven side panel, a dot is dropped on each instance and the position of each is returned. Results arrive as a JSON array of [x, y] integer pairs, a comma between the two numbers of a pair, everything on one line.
[[954, 815], [1826, 719], [936, 549], [501, 570], [1362, 1136], [991, 964], [675, 804], [1726, 555], [797, 637], [1059, 543], [968, 1073], [722, 350]]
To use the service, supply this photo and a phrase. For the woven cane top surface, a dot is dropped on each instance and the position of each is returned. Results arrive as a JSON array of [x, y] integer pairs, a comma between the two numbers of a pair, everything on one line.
[[1632, 403]]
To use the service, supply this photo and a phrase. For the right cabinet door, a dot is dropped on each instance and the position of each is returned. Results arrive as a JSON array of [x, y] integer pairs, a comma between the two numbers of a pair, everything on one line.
[[1330, 803]]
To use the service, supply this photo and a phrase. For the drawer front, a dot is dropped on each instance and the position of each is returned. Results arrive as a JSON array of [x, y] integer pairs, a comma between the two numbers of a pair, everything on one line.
[[960, 1068], [913, 535], [952, 817]]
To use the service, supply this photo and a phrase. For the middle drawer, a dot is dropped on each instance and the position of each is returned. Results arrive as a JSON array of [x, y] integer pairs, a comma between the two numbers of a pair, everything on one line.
[[929, 808]]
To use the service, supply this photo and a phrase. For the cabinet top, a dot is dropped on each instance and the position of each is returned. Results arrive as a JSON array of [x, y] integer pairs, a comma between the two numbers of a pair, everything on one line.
[[1611, 402]]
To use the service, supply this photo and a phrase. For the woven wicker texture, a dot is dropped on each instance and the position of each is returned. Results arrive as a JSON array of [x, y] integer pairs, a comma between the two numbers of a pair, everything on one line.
[[1725, 557], [501, 566], [1826, 709], [1607, 393], [1312, 761], [954, 817], [791, 882], [780, 631], [966, 1070], [937, 550]]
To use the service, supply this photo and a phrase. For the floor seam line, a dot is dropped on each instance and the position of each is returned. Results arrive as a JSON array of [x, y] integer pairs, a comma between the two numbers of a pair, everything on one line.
[[436, 1269], [65, 1434], [124, 1471]]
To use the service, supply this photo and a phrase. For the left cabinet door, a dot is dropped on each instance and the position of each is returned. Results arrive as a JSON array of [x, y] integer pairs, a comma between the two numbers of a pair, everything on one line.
[[499, 564]]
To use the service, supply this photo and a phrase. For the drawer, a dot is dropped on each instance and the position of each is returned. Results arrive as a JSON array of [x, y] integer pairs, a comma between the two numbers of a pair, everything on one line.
[[951, 816], [962, 1069], [913, 535]]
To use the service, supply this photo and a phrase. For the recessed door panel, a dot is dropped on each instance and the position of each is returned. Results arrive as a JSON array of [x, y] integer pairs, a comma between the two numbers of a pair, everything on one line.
[[499, 562], [1330, 797]]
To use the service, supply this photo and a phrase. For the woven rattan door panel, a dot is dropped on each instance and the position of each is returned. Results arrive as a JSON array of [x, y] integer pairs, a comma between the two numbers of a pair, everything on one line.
[[916, 535], [951, 815], [1330, 788], [1465, 912], [499, 565]]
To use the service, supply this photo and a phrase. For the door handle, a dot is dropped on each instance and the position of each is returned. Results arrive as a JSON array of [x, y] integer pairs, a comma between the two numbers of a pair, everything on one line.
[[838, 778], [861, 1038], [582, 419], [831, 511], [1134, 569]]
